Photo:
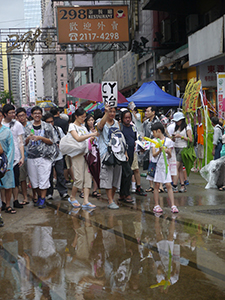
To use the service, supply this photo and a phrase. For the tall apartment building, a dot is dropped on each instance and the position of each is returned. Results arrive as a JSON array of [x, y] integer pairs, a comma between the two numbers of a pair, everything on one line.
[[32, 13], [1, 71], [15, 62]]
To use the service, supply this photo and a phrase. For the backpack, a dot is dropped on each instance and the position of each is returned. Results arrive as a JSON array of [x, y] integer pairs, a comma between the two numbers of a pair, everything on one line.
[[3, 165], [117, 145]]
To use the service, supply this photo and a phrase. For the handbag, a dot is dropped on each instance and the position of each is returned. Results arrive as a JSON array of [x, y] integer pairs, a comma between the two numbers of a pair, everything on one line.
[[152, 166], [151, 169], [68, 145], [109, 159]]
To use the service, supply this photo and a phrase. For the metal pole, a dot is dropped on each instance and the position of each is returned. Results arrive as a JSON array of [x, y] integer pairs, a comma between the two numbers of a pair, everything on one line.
[[171, 80], [9, 78]]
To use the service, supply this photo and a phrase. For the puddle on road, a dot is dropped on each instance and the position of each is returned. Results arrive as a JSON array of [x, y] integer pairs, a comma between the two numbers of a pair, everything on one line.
[[105, 254]]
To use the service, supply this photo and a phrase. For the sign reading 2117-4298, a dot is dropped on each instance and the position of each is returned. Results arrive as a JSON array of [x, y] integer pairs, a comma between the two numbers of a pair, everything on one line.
[[92, 24]]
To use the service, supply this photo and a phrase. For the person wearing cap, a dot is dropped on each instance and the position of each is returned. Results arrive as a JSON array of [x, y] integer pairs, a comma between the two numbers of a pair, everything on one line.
[[181, 135]]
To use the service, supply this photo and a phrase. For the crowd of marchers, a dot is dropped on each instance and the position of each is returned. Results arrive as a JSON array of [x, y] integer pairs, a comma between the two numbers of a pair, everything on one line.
[[99, 151]]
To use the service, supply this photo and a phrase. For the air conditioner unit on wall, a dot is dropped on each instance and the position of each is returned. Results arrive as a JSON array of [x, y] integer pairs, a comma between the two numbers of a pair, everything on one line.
[[191, 23], [166, 30]]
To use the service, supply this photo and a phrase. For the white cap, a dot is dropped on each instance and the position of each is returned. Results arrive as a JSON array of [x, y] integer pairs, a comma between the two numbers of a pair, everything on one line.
[[178, 116]]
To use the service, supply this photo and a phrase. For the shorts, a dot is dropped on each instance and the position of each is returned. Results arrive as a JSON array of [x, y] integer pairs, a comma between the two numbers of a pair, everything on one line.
[[16, 171], [110, 176], [23, 172], [83, 178], [200, 151], [68, 162], [178, 154], [134, 165], [39, 170]]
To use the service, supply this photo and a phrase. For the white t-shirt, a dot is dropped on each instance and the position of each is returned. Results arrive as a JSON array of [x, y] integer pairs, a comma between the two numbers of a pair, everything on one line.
[[17, 130]]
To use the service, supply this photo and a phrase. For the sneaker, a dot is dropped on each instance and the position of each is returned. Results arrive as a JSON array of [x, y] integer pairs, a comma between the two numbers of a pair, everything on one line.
[[182, 189], [157, 209], [133, 190], [140, 192], [68, 183], [174, 209], [36, 204], [65, 196], [175, 189], [1, 222], [186, 182], [49, 197], [113, 205], [42, 203]]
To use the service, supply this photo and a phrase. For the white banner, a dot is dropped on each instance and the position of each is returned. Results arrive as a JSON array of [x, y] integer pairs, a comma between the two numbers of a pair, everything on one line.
[[110, 93], [177, 91], [31, 83], [221, 94]]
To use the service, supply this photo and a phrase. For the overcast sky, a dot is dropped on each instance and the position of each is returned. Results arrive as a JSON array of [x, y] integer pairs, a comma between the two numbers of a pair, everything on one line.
[[11, 14]]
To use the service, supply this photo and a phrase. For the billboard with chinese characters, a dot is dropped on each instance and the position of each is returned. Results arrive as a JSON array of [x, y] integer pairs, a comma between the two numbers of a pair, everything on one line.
[[92, 24], [221, 94], [208, 71]]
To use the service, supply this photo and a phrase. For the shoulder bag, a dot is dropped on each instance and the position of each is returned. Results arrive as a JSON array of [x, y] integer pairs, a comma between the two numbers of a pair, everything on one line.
[[70, 146]]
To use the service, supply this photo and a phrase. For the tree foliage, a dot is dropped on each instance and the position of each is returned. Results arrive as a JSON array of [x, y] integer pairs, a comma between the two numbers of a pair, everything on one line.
[[4, 96]]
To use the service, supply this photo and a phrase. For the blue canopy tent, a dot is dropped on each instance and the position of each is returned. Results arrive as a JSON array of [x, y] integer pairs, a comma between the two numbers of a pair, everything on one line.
[[150, 94]]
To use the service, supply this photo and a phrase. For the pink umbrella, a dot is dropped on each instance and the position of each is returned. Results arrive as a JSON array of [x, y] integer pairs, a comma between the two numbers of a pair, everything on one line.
[[92, 91]]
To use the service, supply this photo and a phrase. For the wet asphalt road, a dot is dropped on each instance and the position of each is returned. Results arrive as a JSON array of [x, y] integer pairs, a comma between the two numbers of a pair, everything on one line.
[[65, 253]]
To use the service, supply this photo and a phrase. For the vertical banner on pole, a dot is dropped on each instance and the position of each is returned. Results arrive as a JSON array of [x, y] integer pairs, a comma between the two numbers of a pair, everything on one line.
[[177, 91], [110, 93], [221, 94]]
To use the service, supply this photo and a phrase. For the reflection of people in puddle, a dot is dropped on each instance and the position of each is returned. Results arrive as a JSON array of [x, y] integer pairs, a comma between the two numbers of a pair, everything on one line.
[[167, 260], [46, 260], [9, 275], [84, 269], [15, 281], [121, 270]]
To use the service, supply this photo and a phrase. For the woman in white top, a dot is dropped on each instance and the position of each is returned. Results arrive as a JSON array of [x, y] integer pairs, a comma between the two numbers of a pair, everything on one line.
[[89, 124], [83, 179], [182, 133]]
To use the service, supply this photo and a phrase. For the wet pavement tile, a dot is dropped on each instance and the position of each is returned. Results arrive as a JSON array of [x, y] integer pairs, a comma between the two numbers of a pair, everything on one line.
[[131, 253]]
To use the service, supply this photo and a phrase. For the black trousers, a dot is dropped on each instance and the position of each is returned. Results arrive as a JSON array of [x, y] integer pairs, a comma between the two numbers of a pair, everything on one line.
[[126, 179], [61, 181]]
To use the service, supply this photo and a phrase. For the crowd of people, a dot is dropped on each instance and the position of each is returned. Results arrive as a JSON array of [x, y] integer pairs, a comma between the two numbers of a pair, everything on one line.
[[47, 150]]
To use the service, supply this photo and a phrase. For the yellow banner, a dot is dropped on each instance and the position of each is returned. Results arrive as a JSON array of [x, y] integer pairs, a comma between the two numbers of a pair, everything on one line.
[[195, 96], [191, 93]]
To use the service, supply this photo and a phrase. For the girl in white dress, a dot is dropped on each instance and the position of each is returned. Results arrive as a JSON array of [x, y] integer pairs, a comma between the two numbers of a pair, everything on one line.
[[160, 173]]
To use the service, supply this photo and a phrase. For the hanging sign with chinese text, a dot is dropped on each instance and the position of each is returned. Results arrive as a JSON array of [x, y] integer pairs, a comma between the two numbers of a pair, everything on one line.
[[220, 94], [92, 24]]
